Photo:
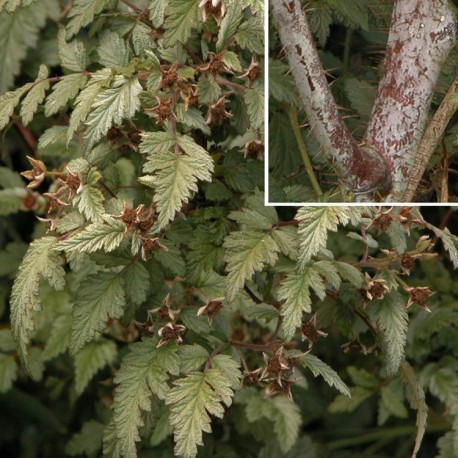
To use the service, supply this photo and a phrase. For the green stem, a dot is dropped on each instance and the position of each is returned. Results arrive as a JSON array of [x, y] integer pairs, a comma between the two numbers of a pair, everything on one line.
[[292, 113]]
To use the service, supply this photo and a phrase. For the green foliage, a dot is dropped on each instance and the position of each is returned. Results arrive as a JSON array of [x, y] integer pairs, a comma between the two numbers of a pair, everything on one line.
[[40, 261], [192, 400], [142, 373], [160, 308]]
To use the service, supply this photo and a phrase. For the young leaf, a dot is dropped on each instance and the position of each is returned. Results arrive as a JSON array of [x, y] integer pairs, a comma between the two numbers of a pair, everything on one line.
[[39, 261], [112, 106], [63, 91], [100, 297], [193, 399], [143, 372], [85, 99], [176, 177], [183, 17], [295, 291], [112, 50], [93, 357], [35, 96], [107, 236], [82, 14], [314, 224], [72, 55], [247, 252]]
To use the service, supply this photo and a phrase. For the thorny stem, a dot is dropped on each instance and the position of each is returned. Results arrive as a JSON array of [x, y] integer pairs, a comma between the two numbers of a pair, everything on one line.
[[292, 113], [422, 33], [430, 140], [361, 169]]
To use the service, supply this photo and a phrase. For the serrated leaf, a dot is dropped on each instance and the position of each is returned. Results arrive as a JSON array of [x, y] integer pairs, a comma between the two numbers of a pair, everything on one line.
[[350, 273], [86, 442], [112, 51], [250, 35], [295, 291], [329, 375], [18, 33], [392, 320], [247, 252], [281, 84], [287, 420], [176, 177], [85, 99], [193, 399], [182, 17], [137, 283], [40, 261], [12, 5], [111, 106], [254, 100], [59, 337], [83, 13], [64, 91], [192, 357], [450, 242], [156, 12], [417, 402], [143, 372], [93, 357], [208, 89], [89, 202], [100, 297], [254, 214], [107, 236], [314, 224], [72, 55], [35, 96], [8, 103], [229, 367], [229, 25]]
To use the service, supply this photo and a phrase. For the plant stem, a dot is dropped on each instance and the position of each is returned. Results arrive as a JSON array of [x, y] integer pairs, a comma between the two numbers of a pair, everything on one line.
[[292, 113]]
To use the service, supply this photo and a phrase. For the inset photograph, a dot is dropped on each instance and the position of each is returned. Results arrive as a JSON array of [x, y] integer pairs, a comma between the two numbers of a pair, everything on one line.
[[363, 98]]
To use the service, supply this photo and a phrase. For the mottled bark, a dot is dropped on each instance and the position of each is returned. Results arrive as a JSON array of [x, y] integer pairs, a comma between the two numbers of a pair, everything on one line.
[[429, 142], [422, 33], [361, 169]]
